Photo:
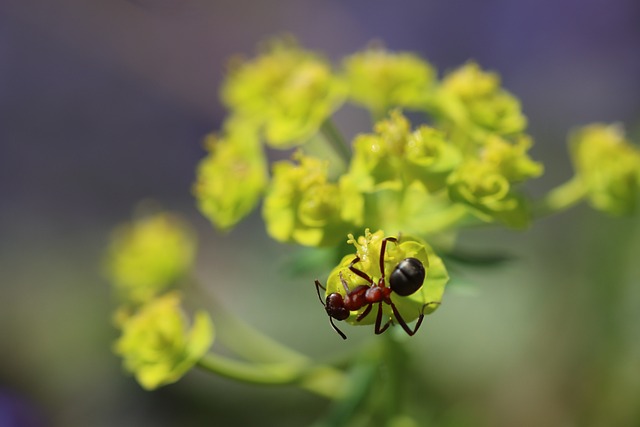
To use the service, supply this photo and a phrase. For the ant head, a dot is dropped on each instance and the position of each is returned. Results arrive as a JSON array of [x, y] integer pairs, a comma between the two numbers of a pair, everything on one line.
[[335, 307], [407, 277]]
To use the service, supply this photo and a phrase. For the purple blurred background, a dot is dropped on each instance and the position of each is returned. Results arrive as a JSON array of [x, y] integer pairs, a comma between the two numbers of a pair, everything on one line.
[[105, 103]]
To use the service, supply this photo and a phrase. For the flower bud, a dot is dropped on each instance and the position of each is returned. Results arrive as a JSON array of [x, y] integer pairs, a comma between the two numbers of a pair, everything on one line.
[[148, 255], [609, 166]]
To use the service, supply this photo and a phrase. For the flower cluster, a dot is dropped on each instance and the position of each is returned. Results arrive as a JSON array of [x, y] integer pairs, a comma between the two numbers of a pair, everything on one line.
[[419, 178], [440, 154], [145, 260]]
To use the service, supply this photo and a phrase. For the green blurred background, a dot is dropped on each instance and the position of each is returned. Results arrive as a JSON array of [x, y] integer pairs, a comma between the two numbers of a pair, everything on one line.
[[105, 103]]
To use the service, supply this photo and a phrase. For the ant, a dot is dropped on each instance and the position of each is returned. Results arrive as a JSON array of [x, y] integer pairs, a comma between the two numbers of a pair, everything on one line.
[[406, 279]]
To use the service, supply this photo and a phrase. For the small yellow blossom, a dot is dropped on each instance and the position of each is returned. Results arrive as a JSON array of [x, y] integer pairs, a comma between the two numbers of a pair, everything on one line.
[[148, 255], [472, 99], [302, 206], [395, 156], [381, 80], [609, 167], [511, 158], [483, 187], [288, 91], [157, 347], [232, 178]]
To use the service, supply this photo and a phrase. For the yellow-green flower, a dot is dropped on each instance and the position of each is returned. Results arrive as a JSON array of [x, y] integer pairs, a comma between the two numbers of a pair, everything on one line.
[[302, 206], [511, 158], [380, 80], [473, 100], [430, 157], [378, 158], [368, 249], [148, 255], [609, 167], [483, 187], [232, 178], [156, 344], [286, 90], [394, 156], [485, 182]]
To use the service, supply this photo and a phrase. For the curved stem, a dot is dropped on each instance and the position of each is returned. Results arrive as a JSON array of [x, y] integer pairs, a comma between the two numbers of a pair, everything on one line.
[[336, 140], [243, 339], [251, 344], [561, 198], [322, 380]]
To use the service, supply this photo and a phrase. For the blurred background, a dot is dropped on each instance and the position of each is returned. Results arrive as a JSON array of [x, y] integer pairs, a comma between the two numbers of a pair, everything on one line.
[[105, 103]]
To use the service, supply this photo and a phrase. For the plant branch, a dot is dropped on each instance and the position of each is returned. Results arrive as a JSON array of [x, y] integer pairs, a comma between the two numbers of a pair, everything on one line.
[[560, 198], [320, 379], [335, 138]]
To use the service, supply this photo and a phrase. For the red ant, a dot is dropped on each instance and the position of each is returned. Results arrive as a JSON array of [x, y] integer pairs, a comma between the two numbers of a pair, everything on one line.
[[406, 279]]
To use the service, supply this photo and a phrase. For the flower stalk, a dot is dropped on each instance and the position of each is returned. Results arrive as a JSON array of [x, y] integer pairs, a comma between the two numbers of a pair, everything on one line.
[[319, 379], [336, 140], [561, 198]]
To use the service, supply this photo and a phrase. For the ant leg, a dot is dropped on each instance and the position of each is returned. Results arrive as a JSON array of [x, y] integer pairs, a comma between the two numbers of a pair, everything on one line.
[[383, 249], [364, 313], [378, 329], [344, 283], [335, 328], [360, 273], [404, 324], [318, 286]]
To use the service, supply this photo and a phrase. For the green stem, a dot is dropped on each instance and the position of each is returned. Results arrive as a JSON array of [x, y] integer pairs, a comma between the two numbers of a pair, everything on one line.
[[611, 277], [561, 198], [275, 364], [244, 340], [322, 380], [360, 387], [251, 344], [395, 359], [336, 140]]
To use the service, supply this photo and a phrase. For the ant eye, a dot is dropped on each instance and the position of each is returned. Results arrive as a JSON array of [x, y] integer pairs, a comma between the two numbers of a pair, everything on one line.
[[407, 277]]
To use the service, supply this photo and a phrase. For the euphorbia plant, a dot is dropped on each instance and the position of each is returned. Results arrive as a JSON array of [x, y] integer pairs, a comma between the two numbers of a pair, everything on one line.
[[398, 193]]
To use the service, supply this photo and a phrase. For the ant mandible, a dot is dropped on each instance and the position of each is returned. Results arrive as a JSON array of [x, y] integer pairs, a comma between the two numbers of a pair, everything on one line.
[[406, 278]]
